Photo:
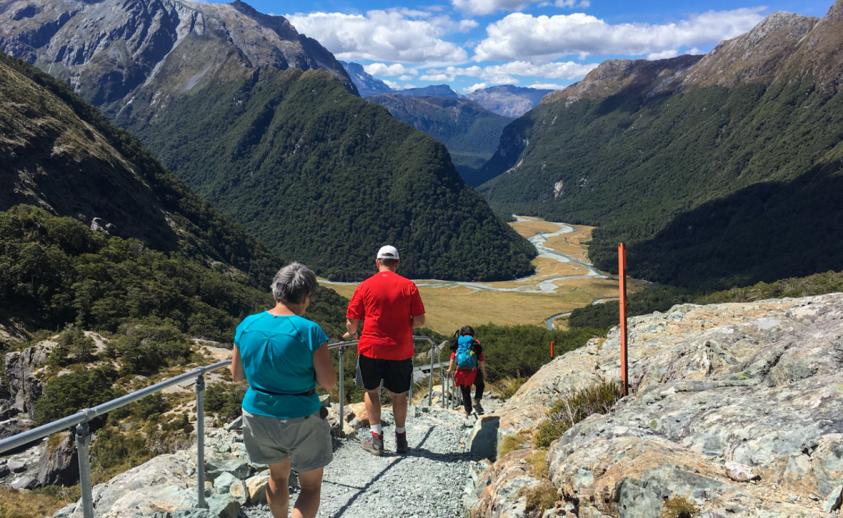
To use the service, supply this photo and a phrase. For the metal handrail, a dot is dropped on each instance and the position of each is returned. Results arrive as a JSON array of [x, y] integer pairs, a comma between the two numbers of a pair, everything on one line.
[[82, 431]]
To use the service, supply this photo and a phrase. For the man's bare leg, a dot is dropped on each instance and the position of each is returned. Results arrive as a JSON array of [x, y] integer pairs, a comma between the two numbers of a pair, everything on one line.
[[399, 409], [373, 406]]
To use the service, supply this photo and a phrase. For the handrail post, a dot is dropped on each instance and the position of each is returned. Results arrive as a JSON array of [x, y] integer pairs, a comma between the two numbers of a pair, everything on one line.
[[83, 442], [430, 380], [200, 442], [341, 384], [441, 372]]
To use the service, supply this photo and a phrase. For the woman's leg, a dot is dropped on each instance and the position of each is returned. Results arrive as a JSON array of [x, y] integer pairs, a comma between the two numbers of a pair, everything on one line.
[[466, 398], [307, 503], [480, 385], [278, 488]]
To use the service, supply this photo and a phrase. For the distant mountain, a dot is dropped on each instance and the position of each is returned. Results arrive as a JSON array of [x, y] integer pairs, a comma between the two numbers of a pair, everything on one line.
[[443, 91], [508, 100], [367, 85], [470, 132], [717, 170], [265, 124]]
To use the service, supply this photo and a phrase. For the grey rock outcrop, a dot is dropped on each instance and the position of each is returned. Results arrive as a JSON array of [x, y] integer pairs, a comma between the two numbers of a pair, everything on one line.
[[736, 408], [20, 373], [59, 463]]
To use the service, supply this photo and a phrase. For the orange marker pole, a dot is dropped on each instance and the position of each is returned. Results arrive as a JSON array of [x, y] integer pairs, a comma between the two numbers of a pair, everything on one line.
[[552, 349], [622, 303]]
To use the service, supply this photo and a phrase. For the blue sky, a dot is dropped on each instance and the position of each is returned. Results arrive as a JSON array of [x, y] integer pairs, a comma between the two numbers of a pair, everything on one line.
[[547, 43]]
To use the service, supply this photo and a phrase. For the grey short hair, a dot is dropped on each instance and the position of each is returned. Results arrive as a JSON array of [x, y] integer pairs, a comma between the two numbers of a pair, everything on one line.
[[293, 283]]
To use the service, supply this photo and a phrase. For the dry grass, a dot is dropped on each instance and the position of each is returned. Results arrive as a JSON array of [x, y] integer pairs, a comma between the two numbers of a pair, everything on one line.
[[574, 244], [679, 507], [531, 227], [576, 406], [37, 503], [540, 497], [451, 307], [538, 464]]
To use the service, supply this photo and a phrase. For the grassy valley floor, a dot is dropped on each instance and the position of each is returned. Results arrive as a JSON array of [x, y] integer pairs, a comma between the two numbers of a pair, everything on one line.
[[564, 280]]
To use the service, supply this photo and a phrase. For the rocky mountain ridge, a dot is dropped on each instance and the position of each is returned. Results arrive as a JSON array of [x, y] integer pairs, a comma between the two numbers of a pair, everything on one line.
[[508, 100], [735, 409], [698, 148]]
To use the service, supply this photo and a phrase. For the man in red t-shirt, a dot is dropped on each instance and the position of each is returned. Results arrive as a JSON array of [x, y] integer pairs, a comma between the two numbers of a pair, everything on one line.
[[390, 307]]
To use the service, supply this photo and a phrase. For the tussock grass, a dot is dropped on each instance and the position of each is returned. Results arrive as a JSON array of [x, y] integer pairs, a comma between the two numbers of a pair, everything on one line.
[[679, 507], [540, 498], [596, 399]]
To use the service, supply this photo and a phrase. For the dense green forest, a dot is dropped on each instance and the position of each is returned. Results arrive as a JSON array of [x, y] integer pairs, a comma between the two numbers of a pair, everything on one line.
[[469, 131], [710, 186], [322, 176], [59, 272], [99, 170]]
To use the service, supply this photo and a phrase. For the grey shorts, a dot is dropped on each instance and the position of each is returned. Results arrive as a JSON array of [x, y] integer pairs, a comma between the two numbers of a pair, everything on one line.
[[307, 440]]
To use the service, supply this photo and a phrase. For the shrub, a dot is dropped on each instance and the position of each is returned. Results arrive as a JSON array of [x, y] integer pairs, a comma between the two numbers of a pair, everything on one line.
[[596, 399], [507, 387], [224, 400], [73, 346], [145, 347], [678, 507], [69, 393]]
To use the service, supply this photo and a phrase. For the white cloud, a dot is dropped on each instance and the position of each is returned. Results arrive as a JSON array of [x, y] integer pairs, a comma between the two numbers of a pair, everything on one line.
[[547, 86], [483, 7], [475, 87], [509, 73], [665, 54], [543, 38], [392, 70], [440, 77], [408, 36]]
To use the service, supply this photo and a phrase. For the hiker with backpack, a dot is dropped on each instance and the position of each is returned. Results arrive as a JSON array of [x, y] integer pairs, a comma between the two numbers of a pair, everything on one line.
[[469, 368]]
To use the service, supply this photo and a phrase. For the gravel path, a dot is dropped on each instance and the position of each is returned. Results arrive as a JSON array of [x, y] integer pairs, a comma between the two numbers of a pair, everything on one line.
[[428, 481]]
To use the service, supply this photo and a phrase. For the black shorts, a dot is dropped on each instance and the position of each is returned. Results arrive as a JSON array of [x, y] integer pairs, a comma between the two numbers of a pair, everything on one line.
[[395, 374]]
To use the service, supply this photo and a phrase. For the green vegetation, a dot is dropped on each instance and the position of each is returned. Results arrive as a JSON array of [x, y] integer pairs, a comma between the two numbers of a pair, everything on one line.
[[710, 187], [520, 351], [321, 175], [72, 347], [145, 348], [661, 298], [568, 411], [57, 271], [69, 393], [469, 131], [103, 171], [679, 507], [224, 399]]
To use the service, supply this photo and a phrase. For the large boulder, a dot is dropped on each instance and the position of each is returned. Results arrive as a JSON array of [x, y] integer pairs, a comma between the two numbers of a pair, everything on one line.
[[735, 410], [20, 371], [59, 463]]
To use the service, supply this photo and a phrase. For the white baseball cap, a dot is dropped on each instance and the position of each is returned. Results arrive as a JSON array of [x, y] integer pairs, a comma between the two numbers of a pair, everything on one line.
[[388, 252]]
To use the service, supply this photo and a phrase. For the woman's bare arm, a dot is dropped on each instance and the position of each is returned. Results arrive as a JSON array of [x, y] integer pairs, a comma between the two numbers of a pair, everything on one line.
[[236, 366], [325, 375]]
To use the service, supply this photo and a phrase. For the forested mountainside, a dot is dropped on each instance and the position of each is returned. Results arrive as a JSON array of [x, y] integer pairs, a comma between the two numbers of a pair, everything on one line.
[[469, 131], [508, 100], [719, 170], [218, 92], [155, 250]]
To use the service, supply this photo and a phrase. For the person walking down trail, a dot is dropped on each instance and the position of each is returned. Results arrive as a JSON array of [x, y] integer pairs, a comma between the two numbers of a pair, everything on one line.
[[390, 307], [467, 357], [284, 356]]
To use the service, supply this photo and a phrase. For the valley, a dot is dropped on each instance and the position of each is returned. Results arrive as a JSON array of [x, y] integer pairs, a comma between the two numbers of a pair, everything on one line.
[[564, 280]]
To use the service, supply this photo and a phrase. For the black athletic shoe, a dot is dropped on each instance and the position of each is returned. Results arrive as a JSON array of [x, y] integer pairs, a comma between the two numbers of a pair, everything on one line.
[[401, 443], [373, 444], [478, 407]]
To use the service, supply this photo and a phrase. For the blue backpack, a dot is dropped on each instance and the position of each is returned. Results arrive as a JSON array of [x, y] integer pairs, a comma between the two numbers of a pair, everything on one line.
[[466, 355]]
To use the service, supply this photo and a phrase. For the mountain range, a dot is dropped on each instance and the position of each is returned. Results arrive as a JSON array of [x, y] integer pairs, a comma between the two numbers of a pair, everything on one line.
[[95, 232], [266, 125], [717, 170]]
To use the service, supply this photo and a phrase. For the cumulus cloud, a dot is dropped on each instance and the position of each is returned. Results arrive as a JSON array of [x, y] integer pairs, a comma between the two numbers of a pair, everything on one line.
[[475, 87], [408, 36], [546, 86], [483, 7], [665, 54], [511, 72], [392, 70], [543, 38]]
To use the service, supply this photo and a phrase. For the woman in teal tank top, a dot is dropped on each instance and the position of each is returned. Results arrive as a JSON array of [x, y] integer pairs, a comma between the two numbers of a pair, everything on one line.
[[284, 356]]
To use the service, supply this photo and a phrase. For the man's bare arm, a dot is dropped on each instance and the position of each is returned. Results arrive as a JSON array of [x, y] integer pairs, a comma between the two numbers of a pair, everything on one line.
[[351, 326], [236, 367], [418, 321]]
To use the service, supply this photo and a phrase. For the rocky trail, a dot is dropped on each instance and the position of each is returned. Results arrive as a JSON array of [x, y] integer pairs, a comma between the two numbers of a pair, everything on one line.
[[429, 481]]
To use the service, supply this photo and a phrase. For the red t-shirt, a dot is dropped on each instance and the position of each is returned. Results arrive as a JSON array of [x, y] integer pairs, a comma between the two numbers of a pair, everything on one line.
[[387, 303]]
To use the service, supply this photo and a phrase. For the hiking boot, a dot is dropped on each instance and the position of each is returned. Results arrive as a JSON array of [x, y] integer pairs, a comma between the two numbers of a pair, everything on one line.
[[401, 442], [478, 407], [373, 444]]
